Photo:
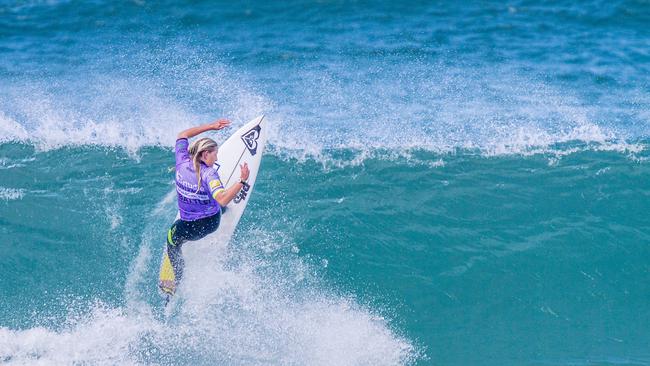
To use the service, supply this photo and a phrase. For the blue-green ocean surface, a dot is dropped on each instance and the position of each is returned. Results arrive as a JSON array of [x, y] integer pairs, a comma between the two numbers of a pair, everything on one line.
[[444, 184]]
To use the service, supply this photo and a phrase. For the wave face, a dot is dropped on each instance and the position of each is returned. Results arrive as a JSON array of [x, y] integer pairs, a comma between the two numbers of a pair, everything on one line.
[[444, 184]]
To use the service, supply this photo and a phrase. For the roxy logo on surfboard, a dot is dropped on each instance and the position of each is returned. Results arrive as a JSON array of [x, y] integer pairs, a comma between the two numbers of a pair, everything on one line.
[[250, 139]]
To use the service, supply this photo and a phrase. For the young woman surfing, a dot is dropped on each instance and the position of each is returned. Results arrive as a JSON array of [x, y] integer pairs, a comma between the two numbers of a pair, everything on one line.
[[201, 197]]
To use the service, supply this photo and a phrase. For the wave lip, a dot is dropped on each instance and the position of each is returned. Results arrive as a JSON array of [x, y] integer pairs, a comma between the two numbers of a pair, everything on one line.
[[292, 141]]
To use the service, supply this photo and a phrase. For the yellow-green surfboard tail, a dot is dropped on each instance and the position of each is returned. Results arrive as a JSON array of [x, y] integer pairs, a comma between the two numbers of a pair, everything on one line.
[[167, 279]]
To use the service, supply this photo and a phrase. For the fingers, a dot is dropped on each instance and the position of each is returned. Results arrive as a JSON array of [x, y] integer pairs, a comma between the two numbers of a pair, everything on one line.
[[244, 171], [220, 124]]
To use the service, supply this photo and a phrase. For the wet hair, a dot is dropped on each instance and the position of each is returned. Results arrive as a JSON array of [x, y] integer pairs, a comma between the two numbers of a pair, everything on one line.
[[196, 150]]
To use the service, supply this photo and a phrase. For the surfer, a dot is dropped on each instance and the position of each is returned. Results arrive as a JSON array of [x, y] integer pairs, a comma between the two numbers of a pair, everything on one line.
[[201, 195]]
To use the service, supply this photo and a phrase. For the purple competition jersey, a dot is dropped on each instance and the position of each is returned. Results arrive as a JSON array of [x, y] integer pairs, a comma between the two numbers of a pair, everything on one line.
[[195, 205]]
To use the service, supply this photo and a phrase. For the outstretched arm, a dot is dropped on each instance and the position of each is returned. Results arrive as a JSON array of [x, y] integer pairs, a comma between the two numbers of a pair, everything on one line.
[[193, 131]]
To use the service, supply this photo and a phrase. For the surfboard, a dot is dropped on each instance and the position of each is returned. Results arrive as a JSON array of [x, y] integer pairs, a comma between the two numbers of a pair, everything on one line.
[[246, 145]]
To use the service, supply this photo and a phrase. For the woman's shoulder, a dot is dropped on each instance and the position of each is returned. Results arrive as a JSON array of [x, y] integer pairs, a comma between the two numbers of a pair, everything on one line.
[[208, 170]]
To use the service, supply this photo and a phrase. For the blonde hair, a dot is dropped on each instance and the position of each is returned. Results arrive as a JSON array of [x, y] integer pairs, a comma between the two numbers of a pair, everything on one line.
[[196, 150]]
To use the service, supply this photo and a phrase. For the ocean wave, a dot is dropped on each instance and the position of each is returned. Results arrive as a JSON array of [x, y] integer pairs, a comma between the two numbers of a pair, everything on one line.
[[429, 156], [253, 302], [285, 141], [434, 157], [230, 315], [128, 108], [365, 105], [54, 129]]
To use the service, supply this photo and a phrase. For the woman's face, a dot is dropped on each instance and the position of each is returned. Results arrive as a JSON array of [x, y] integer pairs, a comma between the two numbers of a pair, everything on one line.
[[209, 157]]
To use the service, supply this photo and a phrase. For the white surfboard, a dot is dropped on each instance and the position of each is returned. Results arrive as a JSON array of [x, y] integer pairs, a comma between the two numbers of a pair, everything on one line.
[[246, 145]]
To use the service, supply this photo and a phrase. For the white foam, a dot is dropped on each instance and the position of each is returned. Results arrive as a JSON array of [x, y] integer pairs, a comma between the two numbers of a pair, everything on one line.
[[369, 109], [11, 130], [443, 110], [228, 317], [103, 337], [267, 318], [125, 110], [10, 194]]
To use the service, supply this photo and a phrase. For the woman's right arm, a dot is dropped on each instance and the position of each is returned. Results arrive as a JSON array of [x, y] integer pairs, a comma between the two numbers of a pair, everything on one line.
[[193, 131]]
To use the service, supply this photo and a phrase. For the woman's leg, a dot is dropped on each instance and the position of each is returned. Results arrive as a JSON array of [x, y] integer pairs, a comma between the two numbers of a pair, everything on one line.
[[182, 231]]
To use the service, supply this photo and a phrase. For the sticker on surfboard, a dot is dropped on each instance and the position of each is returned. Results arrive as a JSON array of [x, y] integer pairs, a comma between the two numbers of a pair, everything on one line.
[[250, 139]]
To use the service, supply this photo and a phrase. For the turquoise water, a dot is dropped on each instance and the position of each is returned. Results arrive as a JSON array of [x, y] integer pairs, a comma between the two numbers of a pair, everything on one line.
[[443, 185]]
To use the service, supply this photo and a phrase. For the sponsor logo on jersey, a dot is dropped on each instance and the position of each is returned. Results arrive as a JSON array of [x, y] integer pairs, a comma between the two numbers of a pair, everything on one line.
[[215, 183]]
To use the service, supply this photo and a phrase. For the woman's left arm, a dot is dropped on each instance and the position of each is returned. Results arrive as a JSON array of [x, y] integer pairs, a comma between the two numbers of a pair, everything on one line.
[[193, 131], [226, 195]]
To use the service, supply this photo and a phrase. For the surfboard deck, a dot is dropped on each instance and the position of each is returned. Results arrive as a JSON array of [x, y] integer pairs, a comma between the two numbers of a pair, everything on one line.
[[246, 145]]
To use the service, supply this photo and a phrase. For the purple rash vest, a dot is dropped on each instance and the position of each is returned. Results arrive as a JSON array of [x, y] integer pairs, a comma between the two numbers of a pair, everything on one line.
[[195, 205]]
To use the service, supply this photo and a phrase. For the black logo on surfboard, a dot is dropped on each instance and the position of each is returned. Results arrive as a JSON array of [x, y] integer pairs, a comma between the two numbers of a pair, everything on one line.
[[241, 195], [250, 139]]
